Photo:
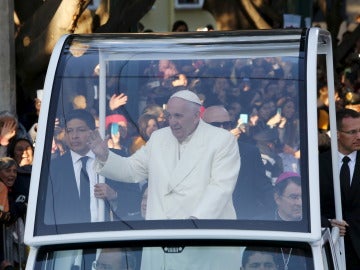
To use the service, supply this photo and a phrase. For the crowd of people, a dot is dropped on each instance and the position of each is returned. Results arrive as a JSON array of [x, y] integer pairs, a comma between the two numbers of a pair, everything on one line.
[[16, 159]]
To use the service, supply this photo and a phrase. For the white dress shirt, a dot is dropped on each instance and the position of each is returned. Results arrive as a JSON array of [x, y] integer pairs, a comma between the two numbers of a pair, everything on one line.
[[92, 177]]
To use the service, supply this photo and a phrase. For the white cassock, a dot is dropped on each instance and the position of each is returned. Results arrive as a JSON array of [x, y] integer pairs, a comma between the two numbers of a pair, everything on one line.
[[192, 179]]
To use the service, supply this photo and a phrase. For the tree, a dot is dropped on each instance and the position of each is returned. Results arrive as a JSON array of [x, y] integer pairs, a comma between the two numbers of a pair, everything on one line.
[[39, 24], [245, 14], [263, 14]]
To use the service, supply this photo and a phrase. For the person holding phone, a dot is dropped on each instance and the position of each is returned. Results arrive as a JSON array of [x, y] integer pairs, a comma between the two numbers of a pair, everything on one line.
[[240, 129], [116, 126], [242, 122]]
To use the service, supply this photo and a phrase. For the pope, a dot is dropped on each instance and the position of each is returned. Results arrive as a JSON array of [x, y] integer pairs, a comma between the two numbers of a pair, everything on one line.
[[191, 166]]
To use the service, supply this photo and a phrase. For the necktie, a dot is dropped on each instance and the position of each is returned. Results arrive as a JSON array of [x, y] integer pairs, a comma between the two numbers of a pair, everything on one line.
[[345, 174], [85, 190]]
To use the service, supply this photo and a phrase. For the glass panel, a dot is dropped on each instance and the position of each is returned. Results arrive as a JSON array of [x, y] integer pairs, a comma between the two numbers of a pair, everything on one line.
[[257, 99], [178, 257]]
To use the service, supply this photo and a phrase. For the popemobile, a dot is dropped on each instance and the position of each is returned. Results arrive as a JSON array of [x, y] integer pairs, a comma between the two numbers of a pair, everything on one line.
[[119, 78]]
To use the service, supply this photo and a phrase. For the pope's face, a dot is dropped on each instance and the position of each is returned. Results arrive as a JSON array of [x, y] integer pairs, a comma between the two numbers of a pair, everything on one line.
[[183, 117], [77, 136]]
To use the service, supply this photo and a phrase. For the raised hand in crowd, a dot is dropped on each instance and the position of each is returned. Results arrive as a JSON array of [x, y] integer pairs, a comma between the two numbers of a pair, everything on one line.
[[8, 131], [275, 120], [282, 122], [117, 101]]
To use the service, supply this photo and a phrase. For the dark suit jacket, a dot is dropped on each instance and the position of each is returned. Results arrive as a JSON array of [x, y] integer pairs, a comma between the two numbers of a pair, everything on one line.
[[128, 202], [63, 201], [350, 202], [253, 194]]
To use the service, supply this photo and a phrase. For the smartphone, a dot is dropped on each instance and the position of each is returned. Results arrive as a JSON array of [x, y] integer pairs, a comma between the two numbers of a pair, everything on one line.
[[114, 128], [278, 111], [244, 118]]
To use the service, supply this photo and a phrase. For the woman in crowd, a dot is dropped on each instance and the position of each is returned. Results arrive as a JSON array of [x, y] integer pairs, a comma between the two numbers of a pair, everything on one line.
[[22, 151], [147, 125], [289, 135], [14, 220], [158, 112]]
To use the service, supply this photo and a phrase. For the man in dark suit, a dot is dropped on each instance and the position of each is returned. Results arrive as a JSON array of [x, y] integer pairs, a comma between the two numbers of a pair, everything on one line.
[[66, 202], [253, 193], [348, 136]]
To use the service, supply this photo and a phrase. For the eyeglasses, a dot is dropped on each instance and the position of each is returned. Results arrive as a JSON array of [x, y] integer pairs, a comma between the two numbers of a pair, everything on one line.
[[225, 124], [352, 132]]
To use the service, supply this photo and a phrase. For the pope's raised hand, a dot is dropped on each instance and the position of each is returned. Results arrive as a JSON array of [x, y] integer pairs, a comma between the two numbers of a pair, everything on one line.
[[98, 146]]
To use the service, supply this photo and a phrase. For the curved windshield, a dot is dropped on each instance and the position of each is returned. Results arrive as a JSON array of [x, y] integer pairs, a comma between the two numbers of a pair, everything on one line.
[[238, 161]]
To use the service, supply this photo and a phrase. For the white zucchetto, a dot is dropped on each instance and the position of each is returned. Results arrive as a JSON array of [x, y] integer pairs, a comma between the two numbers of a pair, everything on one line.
[[187, 95]]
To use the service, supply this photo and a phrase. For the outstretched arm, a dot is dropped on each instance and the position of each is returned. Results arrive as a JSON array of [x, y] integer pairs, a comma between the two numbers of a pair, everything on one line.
[[98, 146]]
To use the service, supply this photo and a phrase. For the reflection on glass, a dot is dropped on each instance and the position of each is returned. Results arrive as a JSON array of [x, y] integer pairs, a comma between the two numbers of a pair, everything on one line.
[[180, 257], [115, 258], [273, 258], [259, 258]]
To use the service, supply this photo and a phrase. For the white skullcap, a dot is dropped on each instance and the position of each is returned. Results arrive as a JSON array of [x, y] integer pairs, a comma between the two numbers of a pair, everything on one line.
[[187, 95]]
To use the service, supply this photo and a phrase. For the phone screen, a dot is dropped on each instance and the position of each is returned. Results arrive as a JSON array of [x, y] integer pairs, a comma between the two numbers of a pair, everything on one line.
[[114, 128], [244, 118]]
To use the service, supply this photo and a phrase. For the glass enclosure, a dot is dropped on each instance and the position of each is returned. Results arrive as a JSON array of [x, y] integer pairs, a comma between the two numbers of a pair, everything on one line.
[[204, 256], [124, 84]]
